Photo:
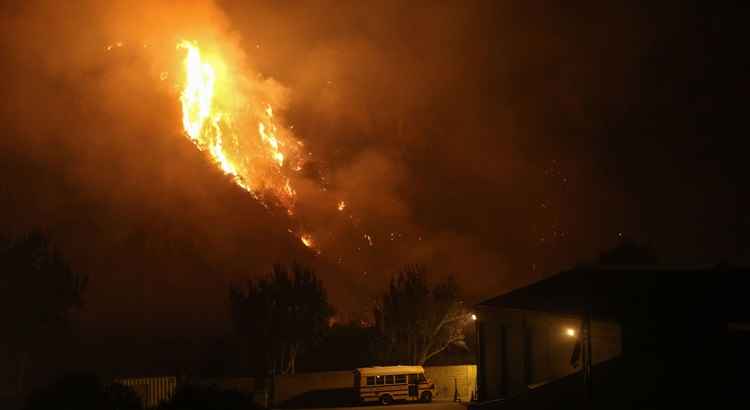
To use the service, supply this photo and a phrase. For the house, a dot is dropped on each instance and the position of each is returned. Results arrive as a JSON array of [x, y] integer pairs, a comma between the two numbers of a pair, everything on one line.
[[653, 333]]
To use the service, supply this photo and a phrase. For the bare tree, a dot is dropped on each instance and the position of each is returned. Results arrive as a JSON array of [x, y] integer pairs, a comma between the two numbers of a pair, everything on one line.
[[416, 321], [38, 292], [281, 315]]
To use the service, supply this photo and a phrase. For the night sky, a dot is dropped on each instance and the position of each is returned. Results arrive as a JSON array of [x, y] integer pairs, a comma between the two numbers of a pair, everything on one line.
[[497, 141]]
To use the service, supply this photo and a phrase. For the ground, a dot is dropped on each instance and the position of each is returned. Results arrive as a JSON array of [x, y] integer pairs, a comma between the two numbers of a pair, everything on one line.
[[437, 405]]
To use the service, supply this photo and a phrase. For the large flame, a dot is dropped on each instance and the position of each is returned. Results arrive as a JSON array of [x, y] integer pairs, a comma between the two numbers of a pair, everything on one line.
[[255, 157], [198, 93], [201, 120]]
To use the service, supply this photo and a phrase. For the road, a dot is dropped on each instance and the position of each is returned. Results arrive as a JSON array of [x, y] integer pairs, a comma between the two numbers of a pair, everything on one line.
[[437, 405]]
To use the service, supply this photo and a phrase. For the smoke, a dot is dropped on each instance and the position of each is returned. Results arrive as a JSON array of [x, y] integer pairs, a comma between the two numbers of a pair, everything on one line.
[[393, 121], [97, 104], [95, 155], [467, 137]]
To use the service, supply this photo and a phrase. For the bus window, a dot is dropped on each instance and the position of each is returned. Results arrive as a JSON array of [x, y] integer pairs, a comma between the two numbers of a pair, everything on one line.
[[379, 379], [389, 379], [400, 378], [370, 380], [422, 378], [412, 379]]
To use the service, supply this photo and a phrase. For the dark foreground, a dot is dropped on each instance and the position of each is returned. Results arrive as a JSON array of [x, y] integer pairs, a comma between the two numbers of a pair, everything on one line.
[[437, 405]]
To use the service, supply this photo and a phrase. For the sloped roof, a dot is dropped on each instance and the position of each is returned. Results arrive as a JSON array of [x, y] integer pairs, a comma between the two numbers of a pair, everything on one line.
[[615, 292], [384, 370]]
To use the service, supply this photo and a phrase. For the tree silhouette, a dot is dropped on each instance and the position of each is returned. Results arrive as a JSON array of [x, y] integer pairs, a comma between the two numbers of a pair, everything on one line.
[[344, 346], [416, 321], [38, 292], [281, 315], [83, 391]]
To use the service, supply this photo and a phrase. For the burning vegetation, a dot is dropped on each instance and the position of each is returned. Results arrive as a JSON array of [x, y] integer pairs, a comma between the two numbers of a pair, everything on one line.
[[207, 103], [259, 160]]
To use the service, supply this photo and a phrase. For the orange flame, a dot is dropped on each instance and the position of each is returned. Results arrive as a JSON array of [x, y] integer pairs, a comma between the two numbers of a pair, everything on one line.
[[307, 240], [256, 162], [197, 96], [205, 120]]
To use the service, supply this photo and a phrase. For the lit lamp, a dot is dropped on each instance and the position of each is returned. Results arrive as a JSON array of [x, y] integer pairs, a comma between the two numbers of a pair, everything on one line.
[[570, 332], [477, 349]]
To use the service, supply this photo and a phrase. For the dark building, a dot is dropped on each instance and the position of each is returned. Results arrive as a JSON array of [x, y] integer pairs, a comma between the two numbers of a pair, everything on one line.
[[656, 335]]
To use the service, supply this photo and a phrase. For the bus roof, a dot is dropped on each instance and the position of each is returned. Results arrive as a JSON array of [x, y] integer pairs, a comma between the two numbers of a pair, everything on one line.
[[384, 370]]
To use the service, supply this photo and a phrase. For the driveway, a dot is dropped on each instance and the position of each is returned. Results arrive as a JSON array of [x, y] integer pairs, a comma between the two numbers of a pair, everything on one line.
[[436, 405]]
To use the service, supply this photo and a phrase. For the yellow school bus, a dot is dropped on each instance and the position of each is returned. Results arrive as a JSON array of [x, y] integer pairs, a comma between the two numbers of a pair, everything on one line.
[[393, 383]]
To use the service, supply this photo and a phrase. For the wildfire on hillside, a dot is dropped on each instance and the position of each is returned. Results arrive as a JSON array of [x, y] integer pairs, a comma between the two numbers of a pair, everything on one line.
[[240, 134], [258, 160]]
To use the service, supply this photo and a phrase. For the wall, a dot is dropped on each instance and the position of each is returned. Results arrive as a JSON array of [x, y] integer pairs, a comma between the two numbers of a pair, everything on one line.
[[446, 378], [257, 387], [525, 348], [288, 387], [449, 378], [308, 388], [246, 385], [551, 348], [489, 335]]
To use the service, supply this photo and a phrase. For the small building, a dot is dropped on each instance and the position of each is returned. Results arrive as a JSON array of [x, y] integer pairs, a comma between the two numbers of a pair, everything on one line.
[[652, 333]]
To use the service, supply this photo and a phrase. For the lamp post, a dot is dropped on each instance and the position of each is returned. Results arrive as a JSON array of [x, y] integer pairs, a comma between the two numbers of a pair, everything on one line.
[[477, 356]]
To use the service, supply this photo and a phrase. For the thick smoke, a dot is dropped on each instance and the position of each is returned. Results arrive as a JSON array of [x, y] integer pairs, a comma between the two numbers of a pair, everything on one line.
[[96, 157], [131, 202], [471, 137]]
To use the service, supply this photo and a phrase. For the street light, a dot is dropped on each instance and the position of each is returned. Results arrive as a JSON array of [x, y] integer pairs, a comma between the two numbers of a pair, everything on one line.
[[478, 358]]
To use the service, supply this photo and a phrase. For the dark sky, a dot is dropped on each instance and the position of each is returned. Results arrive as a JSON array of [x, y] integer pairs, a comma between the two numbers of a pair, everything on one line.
[[498, 141]]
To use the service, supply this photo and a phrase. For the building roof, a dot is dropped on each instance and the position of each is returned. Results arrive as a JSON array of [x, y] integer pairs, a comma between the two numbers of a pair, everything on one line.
[[616, 292], [384, 370]]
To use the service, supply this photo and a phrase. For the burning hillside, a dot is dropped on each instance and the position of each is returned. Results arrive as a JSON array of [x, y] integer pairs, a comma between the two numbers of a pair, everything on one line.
[[258, 160], [197, 146]]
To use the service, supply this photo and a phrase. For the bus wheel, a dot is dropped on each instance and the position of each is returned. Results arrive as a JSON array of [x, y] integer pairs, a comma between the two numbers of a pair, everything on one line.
[[426, 397], [386, 399]]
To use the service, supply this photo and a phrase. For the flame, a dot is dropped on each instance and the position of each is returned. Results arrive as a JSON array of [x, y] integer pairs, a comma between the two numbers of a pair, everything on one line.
[[307, 240], [197, 96], [268, 135], [256, 163], [258, 157]]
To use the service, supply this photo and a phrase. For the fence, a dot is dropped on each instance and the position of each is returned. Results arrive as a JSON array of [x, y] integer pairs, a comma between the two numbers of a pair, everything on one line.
[[152, 390]]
